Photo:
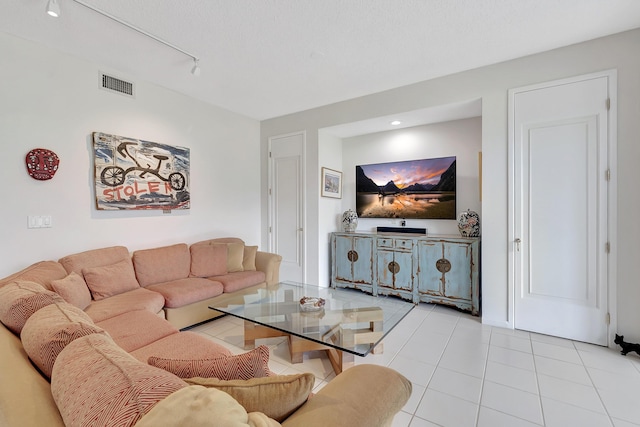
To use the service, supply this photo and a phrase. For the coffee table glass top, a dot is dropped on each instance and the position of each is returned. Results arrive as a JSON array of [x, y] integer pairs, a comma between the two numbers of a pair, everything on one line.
[[350, 320]]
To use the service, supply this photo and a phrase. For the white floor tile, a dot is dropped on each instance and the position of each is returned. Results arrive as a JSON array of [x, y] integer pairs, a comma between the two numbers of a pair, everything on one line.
[[569, 392], [491, 418], [511, 401], [417, 372], [559, 414], [517, 359], [521, 379], [621, 405], [564, 370], [512, 342], [446, 410], [456, 384], [553, 351]]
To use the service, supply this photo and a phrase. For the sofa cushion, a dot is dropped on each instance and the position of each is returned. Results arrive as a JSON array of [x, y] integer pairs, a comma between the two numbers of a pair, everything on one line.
[[252, 364], [249, 258], [186, 291], [49, 330], [20, 299], [197, 406], [42, 272], [173, 347], [109, 280], [242, 279], [73, 289], [277, 396], [94, 258], [208, 260], [136, 329], [96, 383], [162, 264], [137, 299]]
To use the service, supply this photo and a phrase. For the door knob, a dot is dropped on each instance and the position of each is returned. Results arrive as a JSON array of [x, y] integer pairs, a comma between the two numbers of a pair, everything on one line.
[[518, 241]]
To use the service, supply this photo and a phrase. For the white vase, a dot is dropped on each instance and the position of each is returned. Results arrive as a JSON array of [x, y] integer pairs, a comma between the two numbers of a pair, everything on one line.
[[349, 221]]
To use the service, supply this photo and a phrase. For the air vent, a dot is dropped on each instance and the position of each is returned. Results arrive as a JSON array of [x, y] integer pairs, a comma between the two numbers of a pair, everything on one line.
[[114, 84]]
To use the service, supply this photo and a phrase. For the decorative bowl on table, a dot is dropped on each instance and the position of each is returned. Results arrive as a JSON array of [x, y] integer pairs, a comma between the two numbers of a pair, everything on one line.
[[310, 304]]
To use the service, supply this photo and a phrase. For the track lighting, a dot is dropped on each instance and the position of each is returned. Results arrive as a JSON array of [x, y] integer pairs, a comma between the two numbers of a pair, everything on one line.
[[196, 67], [53, 8]]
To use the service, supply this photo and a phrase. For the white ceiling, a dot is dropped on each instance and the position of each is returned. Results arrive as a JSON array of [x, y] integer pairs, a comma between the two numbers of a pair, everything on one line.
[[267, 58]]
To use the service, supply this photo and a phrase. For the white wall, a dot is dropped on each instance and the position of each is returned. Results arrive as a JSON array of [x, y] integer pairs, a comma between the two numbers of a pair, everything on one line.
[[49, 99], [329, 209], [490, 84]]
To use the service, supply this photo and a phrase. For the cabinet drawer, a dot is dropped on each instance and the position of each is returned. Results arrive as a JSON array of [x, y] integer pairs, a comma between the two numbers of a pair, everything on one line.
[[405, 244], [384, 242]]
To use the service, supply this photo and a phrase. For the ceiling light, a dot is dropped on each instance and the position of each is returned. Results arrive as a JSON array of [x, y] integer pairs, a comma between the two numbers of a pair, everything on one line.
[[53, 8], [196, 67], [396, 123]]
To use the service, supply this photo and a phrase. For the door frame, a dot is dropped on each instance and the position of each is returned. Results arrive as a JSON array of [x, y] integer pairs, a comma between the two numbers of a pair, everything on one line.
[[303, 197], [612, 150]]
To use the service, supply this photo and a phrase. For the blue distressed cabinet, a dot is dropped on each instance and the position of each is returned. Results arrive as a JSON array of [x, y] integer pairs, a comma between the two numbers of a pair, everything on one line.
[[352, 261], [433, 269], [448, 272], [394, 264]]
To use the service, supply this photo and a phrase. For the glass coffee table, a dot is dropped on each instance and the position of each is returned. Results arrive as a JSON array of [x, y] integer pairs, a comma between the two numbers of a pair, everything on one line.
[[349, 323]]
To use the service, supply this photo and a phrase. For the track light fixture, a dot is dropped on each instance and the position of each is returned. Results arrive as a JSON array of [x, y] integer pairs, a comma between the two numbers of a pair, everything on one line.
[[196, 67], [53, 9]]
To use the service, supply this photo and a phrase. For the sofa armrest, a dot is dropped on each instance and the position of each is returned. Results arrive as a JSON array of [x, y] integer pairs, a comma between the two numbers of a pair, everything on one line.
[[269, 264], [365, 395]]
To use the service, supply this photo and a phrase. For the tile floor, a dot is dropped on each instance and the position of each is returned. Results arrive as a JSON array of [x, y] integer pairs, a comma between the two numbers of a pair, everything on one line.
[[468, 374]]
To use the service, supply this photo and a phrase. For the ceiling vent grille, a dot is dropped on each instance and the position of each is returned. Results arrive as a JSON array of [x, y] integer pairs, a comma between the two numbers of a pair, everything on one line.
[[114, 84]]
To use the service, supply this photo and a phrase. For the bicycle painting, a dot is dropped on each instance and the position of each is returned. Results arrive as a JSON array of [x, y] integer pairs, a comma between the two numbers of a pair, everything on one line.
[[136, 174]]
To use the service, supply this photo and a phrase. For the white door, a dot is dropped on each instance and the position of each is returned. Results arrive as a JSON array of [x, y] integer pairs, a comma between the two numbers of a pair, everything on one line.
[[560, 169], [286, 202]]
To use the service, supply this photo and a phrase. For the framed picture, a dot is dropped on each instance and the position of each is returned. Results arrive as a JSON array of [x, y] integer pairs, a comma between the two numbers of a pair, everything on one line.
[[331, 183]]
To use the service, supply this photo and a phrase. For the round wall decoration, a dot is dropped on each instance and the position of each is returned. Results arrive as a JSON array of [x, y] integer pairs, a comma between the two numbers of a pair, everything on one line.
[[42, 164]]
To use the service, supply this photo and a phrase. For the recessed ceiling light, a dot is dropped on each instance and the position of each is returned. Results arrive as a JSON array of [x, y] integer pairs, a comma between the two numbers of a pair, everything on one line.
[[396, 122]]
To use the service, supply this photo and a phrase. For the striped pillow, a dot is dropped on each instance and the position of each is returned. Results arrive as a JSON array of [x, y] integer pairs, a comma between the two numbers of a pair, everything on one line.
[[252, 364], [96, 383], [20, 299], [49, 330]]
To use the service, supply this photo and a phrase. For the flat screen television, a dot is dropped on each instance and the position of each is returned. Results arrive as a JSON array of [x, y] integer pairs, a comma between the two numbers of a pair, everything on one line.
[[414, 189]]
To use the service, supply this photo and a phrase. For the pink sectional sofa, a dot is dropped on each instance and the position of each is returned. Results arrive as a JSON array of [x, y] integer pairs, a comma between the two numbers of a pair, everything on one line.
[[95, 340]]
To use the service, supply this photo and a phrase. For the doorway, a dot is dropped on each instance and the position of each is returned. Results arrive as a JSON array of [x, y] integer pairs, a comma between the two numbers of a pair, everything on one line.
[[286, 204], [561, 140]]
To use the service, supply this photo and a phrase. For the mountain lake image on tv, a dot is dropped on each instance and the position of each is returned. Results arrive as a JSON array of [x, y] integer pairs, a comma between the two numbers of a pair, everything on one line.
[[414, 189]]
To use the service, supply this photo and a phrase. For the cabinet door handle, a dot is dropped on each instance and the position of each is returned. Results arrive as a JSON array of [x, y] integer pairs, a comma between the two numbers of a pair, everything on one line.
[[352, 256], [393, 267]]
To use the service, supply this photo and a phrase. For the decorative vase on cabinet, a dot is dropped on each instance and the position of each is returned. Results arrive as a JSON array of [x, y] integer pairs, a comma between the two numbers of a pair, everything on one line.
[[349, 221], [469, 224]]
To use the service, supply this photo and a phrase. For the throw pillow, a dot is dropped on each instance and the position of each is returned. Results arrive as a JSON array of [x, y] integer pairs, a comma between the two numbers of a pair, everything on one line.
[[252, 364], [208, 260], [249, 260], [49, 330], [235, 256], [197, 406], [111, 279], [74, 290], [20, 299], [277, 396], [97, 383]]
